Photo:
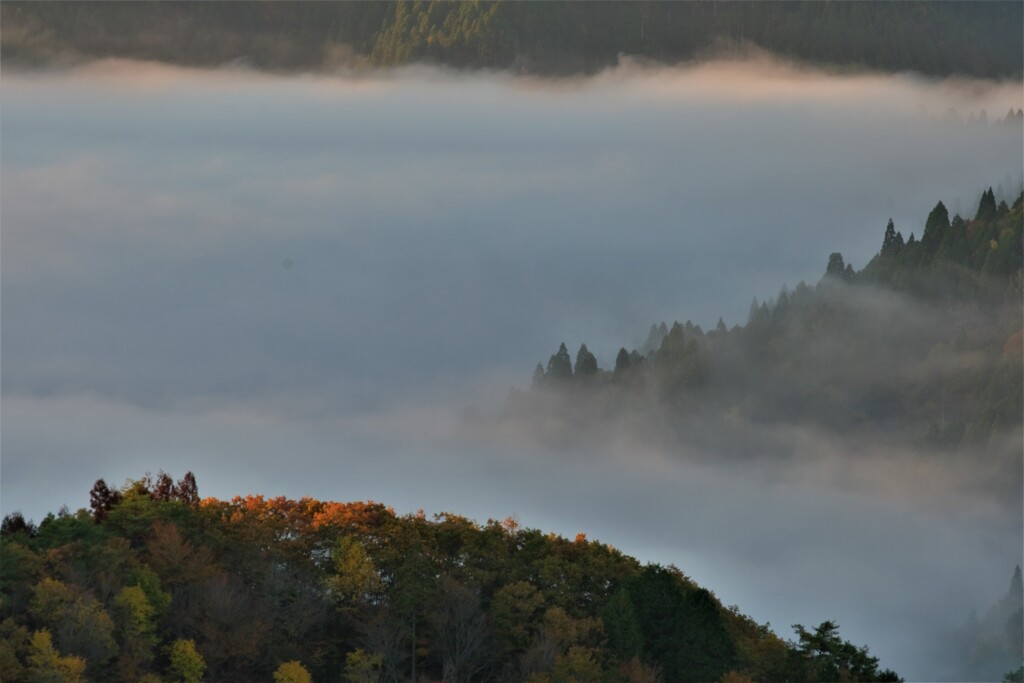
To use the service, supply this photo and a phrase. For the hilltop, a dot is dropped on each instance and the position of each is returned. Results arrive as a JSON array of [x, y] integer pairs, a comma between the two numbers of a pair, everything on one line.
[[153, 584]]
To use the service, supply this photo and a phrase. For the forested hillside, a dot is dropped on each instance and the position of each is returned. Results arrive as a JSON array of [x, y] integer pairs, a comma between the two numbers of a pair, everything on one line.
[[153, 584], [923, 345], [935, 38]]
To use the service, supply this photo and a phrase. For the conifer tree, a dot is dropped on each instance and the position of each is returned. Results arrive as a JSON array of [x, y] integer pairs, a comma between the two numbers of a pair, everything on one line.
[[622, 362], [889, 247], [836, 266], [752, 314], [935, 228], [586, 363], [986, 207], [538, 375], [560, 365], [955, 245]]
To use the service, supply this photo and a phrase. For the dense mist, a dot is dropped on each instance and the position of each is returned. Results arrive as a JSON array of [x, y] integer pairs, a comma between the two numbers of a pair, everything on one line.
[[326, 286]]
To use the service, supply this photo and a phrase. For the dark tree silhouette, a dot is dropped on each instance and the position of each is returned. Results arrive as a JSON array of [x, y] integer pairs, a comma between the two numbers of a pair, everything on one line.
[[836, 266], [586, 363], [102, 500], [560, 365]]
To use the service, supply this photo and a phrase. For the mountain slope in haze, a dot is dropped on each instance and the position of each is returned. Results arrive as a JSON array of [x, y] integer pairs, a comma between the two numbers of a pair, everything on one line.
[[563, 38], [994, 644], [923, 347], [153, 584]]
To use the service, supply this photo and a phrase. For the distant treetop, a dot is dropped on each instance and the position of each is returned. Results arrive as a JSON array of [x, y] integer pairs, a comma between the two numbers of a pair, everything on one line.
[[556, 37]]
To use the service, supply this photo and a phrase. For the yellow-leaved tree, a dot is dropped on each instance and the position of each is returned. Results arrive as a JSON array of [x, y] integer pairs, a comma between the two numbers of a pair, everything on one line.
[[46, 664], [186, 662], [292, 672]]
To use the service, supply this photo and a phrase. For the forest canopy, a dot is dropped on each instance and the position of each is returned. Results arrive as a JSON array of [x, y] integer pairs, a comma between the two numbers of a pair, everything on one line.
[[556, 38], [152, 584]]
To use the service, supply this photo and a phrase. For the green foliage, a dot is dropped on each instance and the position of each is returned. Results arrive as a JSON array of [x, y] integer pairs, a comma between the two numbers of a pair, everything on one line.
[[78, 623], [135, 618], [682, 627], [244, 585], [65, 528], [515, 611], [355, 578], [824, 656], [135, 612], [621, 627]]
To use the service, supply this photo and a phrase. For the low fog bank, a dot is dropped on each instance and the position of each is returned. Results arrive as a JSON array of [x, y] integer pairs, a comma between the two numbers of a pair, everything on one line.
[[898, 546], [167, 230], [847, 426]]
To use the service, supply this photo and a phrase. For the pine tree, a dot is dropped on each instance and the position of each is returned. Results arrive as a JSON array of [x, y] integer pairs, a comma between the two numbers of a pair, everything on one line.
[[889, 248], [935, 228], [955, 246], [622, 361], [753, 313], [538, 376], [986, 207], [836, 267], [586, 363], [560, 365]]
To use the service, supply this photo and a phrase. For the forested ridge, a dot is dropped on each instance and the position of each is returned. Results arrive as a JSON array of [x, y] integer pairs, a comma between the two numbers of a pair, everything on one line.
[[922, 345], [563, 38], [153, 584]]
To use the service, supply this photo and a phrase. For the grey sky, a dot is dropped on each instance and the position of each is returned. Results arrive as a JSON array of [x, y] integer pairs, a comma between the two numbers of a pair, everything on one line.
[[295, 285]]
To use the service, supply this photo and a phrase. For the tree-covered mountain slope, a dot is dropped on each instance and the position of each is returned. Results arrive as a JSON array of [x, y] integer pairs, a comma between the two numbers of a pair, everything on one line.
[[924, 345], [563, 37], [153, 584]]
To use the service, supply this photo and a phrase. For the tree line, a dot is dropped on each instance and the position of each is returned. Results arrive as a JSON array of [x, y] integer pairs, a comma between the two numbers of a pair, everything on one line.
[[927, 336], [153, 584], [561, 37]]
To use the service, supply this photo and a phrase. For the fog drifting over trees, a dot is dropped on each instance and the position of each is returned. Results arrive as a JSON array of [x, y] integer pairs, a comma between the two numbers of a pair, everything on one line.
[[299, 286]]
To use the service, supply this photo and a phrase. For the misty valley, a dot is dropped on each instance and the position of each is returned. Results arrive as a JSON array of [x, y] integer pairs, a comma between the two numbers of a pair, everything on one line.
[[275, 277]]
